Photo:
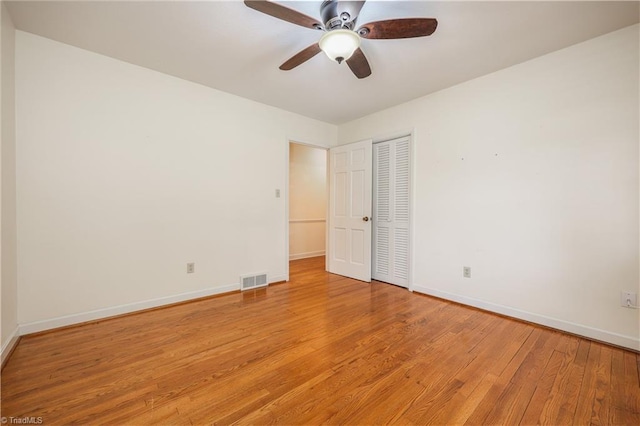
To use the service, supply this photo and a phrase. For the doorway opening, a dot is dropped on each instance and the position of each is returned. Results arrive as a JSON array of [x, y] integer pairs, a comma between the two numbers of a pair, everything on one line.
[[307, 201]]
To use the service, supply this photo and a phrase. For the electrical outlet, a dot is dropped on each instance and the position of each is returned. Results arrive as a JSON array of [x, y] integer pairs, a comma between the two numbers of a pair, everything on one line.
[[191, 268], [466, 271], [277, 193], [628, 299]]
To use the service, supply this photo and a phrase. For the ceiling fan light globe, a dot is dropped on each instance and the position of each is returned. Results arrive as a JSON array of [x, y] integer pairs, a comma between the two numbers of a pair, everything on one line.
[[339, 44]]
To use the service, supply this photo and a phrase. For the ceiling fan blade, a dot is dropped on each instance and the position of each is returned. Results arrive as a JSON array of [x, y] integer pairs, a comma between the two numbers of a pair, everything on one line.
[[301, 57], [398, 28], [284, 13], [359, 64]]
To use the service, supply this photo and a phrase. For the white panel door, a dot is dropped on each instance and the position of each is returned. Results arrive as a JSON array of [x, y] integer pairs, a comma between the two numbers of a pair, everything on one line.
[[391, 212], [350, 210]]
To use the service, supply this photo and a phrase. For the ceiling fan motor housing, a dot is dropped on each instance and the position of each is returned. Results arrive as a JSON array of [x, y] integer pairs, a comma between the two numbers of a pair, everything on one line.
[[340, 14]]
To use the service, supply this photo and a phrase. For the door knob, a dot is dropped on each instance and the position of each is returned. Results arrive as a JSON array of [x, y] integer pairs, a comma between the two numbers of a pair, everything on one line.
[[366, 219]]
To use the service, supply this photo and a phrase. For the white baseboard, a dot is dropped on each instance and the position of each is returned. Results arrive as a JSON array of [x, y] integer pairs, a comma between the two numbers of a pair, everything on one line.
[[278, 279], [8, 346], [631, 342], [37, 326], [306, 255]]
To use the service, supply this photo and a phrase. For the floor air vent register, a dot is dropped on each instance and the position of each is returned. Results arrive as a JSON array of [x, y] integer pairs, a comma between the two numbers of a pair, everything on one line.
[[248, 282]]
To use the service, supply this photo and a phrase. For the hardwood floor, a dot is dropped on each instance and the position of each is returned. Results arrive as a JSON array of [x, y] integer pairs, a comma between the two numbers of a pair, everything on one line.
[[319, 349]]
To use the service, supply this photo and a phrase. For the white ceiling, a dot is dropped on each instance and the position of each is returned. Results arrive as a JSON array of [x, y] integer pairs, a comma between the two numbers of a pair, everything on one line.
[[227, 46]]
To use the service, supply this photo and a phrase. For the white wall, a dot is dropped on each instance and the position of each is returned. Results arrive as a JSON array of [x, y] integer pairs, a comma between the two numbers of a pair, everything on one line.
[[125, 175], [9, 290], [307, 201], [530, 176]]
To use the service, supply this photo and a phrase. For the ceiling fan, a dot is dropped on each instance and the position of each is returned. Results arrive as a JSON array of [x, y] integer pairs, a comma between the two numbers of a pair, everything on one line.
[[341, 39]]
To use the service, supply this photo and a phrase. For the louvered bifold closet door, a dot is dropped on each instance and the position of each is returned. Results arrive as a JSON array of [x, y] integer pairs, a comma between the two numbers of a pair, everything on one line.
[[391, 184]]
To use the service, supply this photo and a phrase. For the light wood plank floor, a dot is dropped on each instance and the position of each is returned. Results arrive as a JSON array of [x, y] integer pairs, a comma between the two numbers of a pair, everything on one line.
[[321, 349]]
